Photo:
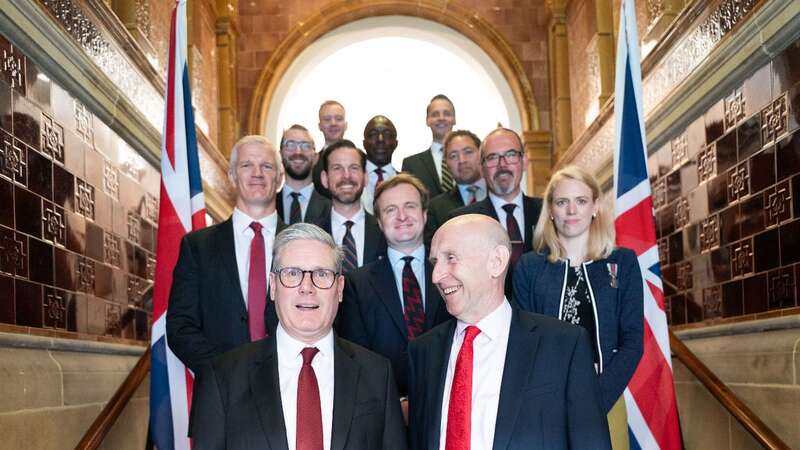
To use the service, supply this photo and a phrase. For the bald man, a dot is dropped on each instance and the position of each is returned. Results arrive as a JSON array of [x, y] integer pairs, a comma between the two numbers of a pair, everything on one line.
[[495, 376]]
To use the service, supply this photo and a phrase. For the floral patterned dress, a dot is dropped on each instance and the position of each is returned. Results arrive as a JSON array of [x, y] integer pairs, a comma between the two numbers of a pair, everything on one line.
[[577, 305]]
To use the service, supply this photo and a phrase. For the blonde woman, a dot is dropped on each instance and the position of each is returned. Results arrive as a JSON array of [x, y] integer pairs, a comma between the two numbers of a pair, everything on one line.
[[575, 273]]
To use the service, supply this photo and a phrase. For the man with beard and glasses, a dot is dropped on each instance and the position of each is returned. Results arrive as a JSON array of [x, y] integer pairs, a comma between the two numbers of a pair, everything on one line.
[[380, 141], [503, 162], [298, 201], [353, 229], [462, 155], [333, 124], [428, 165]]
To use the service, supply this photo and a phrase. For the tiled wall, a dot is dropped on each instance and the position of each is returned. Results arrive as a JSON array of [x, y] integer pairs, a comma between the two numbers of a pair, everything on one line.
[[78, 212], [727, 198]]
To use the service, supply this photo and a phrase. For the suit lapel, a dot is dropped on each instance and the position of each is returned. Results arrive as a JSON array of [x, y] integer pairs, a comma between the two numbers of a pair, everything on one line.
[[455, 194], [226, 249], [345, 380], [433, 301], [439, 351], [520, 356], [385, 285], [531, 208], [265, 385], [279, 204], [430, 167], [317, 205], [372, 238], [487, 208]]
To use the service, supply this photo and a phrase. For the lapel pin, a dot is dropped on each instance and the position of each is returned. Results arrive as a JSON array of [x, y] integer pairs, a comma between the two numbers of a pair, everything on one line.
[[612, 273]]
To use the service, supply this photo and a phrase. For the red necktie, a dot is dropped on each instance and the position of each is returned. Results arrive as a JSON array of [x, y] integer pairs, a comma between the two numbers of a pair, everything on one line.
[[379, 172], [459, 412], [309, 412], [513, 232], [257, 285], [413, 311]]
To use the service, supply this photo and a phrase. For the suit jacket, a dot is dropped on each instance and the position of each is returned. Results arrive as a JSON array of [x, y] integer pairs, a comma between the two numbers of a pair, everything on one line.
[[439, 211], [538, 285], [237, 401], [207, 314], [549, 397], [317, 205], [374, 241], [372, 314], [422, 166], [531, 208]]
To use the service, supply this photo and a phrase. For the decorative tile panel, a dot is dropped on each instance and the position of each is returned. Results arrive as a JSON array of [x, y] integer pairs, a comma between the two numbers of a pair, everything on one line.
[[52, 139], [680, 149], [85, 275], [134, 227], [738, 179], [151, 207], [13, 161], [778, 206], [684, 276], [110, 179], [734, 109], [13, 68], [682, 212], [84, 198], [13, 253], [663, 252], [112, 249], [742, 259], [83, 122], [150, 269], [712, 302], [780, 286], [136, 290], [54, 309], [774, 120], [709, 233], [113, 322], [707, 163], [660, 194], [54, 224]]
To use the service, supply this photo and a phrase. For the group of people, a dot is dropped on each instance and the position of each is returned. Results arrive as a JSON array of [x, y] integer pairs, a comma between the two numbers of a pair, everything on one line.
[[348, 305]]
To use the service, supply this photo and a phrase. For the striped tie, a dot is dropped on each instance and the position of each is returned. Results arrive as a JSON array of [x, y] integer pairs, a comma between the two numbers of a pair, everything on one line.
[[295, 213], [447, 178], [349, 247], [473, 194]]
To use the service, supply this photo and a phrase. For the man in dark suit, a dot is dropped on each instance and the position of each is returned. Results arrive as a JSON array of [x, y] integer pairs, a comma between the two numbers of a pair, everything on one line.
[[303, 384], [428, 165], [392, 301], [497, 377], [219, 291], [380, 142], [503, 162], [355, 230], [463, 156], [333, 124], [298, 201]]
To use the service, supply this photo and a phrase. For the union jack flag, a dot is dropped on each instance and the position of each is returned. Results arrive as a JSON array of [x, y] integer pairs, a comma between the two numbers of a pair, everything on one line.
[[650, 395], [181, 210]]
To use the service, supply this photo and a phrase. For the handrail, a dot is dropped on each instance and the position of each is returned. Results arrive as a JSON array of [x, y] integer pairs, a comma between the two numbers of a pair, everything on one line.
[[749, 420], [108, 416]]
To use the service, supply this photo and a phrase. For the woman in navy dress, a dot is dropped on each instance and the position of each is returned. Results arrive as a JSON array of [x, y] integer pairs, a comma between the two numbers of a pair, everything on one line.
[[576, 273]]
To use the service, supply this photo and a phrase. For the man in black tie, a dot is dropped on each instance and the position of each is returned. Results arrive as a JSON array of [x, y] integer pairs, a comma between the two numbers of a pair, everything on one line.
[[392, 301], [218, 295], [354, 229], [333, 124], [429, 165], [463, 156], [503, 162], [298, 201], [281, 393], [380, 141]]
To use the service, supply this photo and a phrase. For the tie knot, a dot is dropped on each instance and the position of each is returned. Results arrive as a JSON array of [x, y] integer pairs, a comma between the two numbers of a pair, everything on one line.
[[472, 189], [256, 226], [349, 224], [470, 333], [408, 259], [509, 207], [308, 355], [295, 195], [379, 171]]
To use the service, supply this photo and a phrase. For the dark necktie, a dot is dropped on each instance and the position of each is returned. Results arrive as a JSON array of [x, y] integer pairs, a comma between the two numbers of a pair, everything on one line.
[[379, 172], [309, 412], [447, 178], [349, 247], [513, 232], [257, 285], [459, 411], [413, 311], [296, 214], [473, 194]]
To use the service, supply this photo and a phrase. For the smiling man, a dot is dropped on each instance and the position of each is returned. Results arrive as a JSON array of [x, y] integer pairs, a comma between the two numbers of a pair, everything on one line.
[[281, 392], [380, 141], [219, 287], [299, 201], [333, 124], [497, 377], [429, 165]]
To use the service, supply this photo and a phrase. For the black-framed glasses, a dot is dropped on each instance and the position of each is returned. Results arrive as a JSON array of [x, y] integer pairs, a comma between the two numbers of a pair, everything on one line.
[[510, 156], [298, 145], [291, 277]]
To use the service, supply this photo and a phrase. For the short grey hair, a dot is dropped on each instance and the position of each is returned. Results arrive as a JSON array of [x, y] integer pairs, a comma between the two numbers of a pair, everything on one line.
[[248, 140], [305, 232]]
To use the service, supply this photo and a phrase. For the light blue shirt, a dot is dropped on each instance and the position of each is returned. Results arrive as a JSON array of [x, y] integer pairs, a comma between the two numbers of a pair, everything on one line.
[[480, 194], [305, 197], [417, 265]]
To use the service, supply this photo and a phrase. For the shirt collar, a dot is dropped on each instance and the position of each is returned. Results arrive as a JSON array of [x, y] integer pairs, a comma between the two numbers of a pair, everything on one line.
[[499, 202], [494, 325], [387, 169], [395, 256], [241, 222], [293, 347], [436, 147], [338, 219], [305, 191], [481, 183]]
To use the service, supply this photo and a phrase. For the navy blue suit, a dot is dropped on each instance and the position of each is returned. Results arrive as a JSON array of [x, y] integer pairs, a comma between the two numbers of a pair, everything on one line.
[[538, 286], [549, 397]]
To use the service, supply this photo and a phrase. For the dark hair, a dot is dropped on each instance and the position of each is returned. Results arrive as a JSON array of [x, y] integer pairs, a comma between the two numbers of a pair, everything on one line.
[[295, 127], [401, 178], [463, 133], [439, 97], [343, 143]]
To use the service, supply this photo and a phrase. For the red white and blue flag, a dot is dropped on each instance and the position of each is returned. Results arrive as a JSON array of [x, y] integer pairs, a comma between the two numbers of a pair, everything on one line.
[[650, 395], [181, 210]]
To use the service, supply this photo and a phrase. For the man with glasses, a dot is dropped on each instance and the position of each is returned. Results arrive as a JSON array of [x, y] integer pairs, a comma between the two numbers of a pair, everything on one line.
[[281, 392], [380, 141], [298, 200], [463, 157], [503, 162], [392, 301]]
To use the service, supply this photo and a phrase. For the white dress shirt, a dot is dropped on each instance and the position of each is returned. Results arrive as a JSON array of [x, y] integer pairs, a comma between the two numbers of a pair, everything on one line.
[[437, 152], [286, 197], [338, 229], [243, 236], [290, 361], [480, 193], [488, 361], [372, 179], [519, 212], [417, 266]]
